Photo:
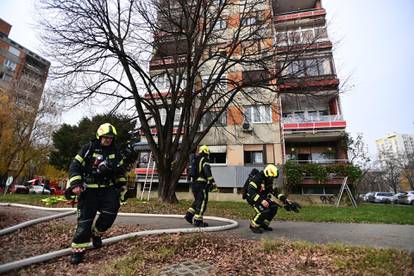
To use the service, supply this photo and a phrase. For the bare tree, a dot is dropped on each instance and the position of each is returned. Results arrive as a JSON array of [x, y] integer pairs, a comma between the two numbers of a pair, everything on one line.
[[390, 165], [407, 167], [196, 51]]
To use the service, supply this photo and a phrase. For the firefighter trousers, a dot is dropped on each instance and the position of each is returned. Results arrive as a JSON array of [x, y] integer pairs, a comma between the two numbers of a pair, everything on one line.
[[263, 215], [104, 200], [200, 192]]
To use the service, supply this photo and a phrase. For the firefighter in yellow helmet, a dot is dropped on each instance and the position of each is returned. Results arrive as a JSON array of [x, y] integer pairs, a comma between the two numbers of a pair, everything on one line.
[[259, 190], [203, 182], [97, 177]]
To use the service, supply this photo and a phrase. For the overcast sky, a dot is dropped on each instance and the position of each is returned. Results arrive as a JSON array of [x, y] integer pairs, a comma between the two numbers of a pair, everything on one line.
[[375, 50]]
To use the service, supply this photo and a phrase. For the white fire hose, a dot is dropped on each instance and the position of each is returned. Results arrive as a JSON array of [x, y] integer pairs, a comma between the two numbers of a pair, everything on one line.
[[59, 253]]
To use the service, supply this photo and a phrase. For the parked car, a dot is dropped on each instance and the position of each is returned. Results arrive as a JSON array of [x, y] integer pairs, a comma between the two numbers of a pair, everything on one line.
[[20, 189], [397, 197], [368, 197], [408, 198], [383, 197], [39, 189]]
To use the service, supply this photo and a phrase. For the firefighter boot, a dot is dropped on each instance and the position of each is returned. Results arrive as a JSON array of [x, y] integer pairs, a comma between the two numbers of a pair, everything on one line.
[[256, 230], [76, 257], [189, 217], [200, 223], [96, 241], [266, 228]]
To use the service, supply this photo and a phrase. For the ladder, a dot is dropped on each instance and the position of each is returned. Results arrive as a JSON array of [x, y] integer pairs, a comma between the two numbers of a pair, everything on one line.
[[346, 188], [149, 177]]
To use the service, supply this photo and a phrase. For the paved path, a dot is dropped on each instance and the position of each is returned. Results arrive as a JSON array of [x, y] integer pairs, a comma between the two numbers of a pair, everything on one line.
[[373, 235]]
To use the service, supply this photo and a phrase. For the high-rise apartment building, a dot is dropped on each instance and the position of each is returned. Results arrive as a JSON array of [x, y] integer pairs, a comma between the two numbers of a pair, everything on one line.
[[303, 123], [22, 78], [21, 70], [395, 145]]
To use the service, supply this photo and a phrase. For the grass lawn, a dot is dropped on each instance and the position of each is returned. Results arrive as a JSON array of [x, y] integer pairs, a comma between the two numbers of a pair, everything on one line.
[[364, 213]]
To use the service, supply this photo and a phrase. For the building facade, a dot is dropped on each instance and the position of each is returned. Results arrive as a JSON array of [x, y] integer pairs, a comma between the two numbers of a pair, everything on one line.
[[303, 123], [23, 76], [395, 145]]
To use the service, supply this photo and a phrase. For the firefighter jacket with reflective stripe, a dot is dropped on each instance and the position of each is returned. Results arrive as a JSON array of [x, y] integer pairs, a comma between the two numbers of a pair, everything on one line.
[[203, 169], [97, 166], [259, 189]]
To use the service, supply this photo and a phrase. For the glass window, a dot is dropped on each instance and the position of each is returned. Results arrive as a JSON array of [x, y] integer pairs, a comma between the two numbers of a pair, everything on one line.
[[300, 116], [325, 67], [222, 120], [312, 115], [220, 24], [218, 157], [321, 33], [307, 36], [253, 157], [313, 190], [11, 65], [14, 51], [312, 67], [258, 114], [248, 21]]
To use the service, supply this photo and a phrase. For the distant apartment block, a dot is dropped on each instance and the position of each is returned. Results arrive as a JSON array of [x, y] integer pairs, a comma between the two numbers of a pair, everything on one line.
[[394, 145]]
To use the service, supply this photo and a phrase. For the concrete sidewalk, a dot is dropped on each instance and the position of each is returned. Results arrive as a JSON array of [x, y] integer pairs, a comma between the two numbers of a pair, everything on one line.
[[372, 235]]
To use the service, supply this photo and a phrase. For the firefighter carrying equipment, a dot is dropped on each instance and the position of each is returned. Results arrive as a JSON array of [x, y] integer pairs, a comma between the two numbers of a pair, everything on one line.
[[102, 185], [200, 188], [259, 190]]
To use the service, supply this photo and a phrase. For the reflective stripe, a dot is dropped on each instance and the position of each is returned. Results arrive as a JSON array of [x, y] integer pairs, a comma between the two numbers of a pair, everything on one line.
[[257, 210], [80, 245], [256, 218], [254, 223], [210, 178], [95, 154], [201, 179], [203, 204], [253, 184], [111, 156], [122, 179], [76, 177], [98, 186], [198, 217], [256, 197], [80, 159], [267, 222], [121, 162], [200, 168], [191, 210], [96, 231], [280, 195]]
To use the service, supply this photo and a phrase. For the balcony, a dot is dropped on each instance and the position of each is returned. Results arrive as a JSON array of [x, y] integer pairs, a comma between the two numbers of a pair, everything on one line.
[[167, 62], [309, 122]]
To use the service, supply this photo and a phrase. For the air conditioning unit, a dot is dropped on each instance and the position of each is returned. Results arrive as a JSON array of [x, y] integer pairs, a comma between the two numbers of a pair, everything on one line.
[[247, 127]]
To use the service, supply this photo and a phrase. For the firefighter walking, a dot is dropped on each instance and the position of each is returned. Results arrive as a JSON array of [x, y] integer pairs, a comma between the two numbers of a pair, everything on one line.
[[97, 177], [204, 182]]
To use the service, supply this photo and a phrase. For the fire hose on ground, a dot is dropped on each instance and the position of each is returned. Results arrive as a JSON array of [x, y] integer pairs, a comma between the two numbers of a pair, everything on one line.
[[59, 253]]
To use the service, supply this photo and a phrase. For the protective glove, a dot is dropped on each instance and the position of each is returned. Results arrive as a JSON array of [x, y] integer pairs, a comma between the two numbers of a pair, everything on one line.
[[69, 194], [122, 195], [292, 206], [212, 187]]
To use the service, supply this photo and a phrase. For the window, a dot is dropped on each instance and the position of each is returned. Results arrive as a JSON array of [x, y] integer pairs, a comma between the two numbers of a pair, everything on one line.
[[220, 25], [218, 158], [11, 65], [253, 157], [313, 190], [248, 21], [162, 82], [257, 76], [14, 51], [302, 35], [308, 67], [220, 86], [258, 114], [143, 159], [209, 116]]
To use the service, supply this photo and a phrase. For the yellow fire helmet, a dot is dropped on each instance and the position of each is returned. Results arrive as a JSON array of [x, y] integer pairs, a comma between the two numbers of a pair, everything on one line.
[[271, 171], [106, 130], [204, 149]]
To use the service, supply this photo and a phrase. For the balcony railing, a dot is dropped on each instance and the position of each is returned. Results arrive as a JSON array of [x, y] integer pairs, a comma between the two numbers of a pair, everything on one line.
[[311, 119], [321, 161]]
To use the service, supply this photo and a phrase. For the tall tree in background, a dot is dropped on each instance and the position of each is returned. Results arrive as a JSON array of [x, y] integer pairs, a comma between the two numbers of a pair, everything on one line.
[[67, 140], [24, 130], [104, 47]]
